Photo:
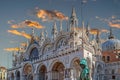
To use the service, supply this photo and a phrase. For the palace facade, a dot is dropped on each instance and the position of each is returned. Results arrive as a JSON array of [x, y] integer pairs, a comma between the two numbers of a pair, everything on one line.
[[58, 58]]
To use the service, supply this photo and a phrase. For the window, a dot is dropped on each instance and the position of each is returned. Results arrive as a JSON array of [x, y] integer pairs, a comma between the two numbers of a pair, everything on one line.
[[34, 53], [108, 58], [103, 58]]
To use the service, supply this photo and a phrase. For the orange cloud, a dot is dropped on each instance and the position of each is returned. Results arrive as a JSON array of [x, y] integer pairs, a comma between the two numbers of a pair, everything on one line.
[[76, 28], [25, 35], [94, 31], [116, 25], [15, 32], [12, 49], [46, 15], [34, 24], [27, 23], [104, 30], [23, 44]]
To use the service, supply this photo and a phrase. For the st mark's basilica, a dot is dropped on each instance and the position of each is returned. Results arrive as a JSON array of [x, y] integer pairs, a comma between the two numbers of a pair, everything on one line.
[[58, 57]]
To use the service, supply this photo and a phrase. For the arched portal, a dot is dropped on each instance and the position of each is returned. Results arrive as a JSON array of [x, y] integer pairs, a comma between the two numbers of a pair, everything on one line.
[[34, 54], [12, 76], [18, 75], [76, 69], [58, 71], [27, 69], [99, 68], [42, 73]]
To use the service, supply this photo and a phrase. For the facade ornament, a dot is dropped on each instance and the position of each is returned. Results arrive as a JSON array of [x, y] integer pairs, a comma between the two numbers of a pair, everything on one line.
[[111, 36], [54, 31], [73, 19], [46, 33], [87, 30]]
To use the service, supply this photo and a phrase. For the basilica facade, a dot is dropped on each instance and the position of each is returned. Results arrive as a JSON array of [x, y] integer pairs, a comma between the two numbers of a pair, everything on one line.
[[58, 58]]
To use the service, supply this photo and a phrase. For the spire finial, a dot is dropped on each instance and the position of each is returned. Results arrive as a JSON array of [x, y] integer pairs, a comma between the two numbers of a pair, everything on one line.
[[54, 30], [46, 33], [33, 31], [73, 19], [73, 12], [87, 29], [111, 36]]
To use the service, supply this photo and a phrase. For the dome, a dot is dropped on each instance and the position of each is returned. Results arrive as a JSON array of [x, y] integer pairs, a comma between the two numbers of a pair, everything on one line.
[[111, 44]]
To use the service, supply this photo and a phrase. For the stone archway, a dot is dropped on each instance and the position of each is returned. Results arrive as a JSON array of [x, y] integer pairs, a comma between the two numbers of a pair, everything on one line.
[[27, 70], [76, 69], [42, 73], [57, 71], [18, 75], [12, 76]]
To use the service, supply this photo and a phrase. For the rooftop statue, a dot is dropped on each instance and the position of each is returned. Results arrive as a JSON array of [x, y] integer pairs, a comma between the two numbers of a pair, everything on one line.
[[85, 70]]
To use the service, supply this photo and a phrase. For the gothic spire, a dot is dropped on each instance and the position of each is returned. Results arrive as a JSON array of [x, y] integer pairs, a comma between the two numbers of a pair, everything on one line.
[[33, 31], [111, 36], [87, 30], [42, 35], [54, 30], [73, 19], [98, 37]]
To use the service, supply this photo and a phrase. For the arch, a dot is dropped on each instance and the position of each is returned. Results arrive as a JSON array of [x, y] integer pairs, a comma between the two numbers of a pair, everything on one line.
[[42, 72], [17, 75], [31, 47], [27, 69], [46, 47], [76, 69], [12, 76], [34, 53], [99, 68], [57, 71], [60, 41]]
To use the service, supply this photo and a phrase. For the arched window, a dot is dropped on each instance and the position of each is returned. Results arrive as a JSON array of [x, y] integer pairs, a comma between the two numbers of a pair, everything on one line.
[[34, 53], [61, 42]]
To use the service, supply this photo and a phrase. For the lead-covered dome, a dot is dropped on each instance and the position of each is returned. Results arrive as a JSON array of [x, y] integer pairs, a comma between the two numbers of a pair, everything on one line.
[[111, 44]]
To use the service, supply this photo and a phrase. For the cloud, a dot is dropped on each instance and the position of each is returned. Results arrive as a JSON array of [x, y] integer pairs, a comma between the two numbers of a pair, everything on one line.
[[96, 31], [27, 23], [86, 1], [23, 44], [115, 25], [11, 21], [104, 31], [47, 15], [34, 24], [12, 49], [112, 21], [15, 32]]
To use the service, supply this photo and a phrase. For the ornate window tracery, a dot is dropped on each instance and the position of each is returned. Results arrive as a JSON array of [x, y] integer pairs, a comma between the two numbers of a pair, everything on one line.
[[34, 53], [47, 48], [61, 42]]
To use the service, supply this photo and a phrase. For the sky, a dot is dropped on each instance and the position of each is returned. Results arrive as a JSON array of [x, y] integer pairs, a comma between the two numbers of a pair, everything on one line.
[[100, 14]]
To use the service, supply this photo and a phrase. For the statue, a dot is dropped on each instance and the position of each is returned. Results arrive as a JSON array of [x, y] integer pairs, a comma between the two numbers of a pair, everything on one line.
[[85, 70]]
